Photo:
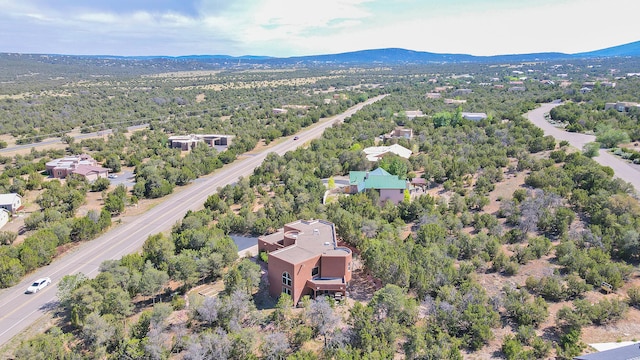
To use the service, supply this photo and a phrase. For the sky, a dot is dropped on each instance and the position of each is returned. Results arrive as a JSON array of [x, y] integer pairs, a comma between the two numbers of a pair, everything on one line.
[[284, 28]]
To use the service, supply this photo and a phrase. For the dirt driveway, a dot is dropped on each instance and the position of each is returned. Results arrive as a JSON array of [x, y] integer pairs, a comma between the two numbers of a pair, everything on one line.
[[622, 169]]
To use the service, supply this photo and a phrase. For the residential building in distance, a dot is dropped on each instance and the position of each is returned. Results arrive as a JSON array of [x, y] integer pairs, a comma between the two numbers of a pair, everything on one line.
[[474, 116], [188, 142], [413, 114], [461, 92], [622, 106], [375, 153], [329, 101], [279, 111], [400, 133], [305, 259], [11, 202], [82, 165], [454, 101], [433, 95], [442, 88], [390, 187]]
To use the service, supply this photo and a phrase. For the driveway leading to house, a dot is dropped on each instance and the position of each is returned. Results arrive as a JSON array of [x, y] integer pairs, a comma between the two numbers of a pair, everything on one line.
[[127, 178], [18, 310], [621, 168]]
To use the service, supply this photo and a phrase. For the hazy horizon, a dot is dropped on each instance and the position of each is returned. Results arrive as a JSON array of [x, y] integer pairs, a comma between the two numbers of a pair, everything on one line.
[[286, 28]]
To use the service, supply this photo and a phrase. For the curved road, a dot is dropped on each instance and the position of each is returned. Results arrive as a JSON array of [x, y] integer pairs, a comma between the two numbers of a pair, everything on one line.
[[18, 310], [622, 169]]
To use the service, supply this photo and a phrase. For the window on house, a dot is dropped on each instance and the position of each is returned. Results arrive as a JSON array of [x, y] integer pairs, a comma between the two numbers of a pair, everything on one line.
[[286, 278], [286, 290], [315, 271], [349, 266]]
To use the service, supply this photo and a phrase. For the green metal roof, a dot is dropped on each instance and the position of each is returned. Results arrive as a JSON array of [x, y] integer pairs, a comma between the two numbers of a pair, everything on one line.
[[384, 182], [376, 179]]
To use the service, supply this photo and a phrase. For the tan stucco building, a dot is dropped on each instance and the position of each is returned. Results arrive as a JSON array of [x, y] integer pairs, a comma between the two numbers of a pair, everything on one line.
[[305, 259], [83, 165]]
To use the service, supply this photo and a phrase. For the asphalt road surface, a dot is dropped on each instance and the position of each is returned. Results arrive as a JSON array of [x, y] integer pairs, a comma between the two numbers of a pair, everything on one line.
[[18, 310], [622, 169]]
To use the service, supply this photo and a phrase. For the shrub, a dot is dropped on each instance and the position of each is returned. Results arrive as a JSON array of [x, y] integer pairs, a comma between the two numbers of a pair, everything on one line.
[[522, 310], [634, 296], [303, 334], [178, 302], [558, 156], [591, 149]]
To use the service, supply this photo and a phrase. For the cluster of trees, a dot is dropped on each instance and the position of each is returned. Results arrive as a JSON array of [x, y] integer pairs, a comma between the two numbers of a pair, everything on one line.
[[98, 308], [55, 225], [610, 126], [158, 168]]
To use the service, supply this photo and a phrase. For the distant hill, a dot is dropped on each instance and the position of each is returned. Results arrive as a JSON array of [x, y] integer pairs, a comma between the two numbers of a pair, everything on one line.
[[402, 56], [396, 56], [630, 49], [390, 56]]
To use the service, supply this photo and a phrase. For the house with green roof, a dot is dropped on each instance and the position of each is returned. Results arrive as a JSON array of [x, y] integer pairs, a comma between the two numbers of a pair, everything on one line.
[[390, 187]]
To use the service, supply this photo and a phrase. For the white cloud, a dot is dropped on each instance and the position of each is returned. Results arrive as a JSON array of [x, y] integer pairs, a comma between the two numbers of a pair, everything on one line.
[[294, 27]]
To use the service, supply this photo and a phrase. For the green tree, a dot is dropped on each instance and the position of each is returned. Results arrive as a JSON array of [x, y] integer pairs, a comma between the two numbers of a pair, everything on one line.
[[323, 317], [100, 184], [610, 138], [11, 271], [113, 162], [244, 276], [158, 249], [152, 280]]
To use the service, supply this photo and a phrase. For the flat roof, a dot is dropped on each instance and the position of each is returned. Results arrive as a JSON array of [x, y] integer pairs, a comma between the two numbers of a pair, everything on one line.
[[88, 169], [312, 238]]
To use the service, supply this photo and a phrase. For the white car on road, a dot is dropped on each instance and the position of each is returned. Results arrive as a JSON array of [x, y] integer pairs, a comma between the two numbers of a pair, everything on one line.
[[38, 285]]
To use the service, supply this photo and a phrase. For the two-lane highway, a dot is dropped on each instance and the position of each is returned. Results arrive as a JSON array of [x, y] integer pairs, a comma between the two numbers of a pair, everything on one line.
[[18, 310]]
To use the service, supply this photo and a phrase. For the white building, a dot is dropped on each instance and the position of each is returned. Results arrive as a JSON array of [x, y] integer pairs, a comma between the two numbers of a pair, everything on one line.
[[4, 217], [474, 116], [375, 153], [10, 202]]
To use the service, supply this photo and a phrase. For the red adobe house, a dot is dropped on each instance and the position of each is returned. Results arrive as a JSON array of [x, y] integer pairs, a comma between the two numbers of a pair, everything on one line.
[[304, 259]]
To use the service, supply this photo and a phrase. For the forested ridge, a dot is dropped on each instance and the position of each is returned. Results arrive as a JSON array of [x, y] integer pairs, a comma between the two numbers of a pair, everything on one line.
[[456, 270]]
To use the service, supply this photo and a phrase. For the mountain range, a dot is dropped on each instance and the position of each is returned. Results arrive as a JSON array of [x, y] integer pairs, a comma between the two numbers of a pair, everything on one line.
[[390, 56], [403, 56]]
